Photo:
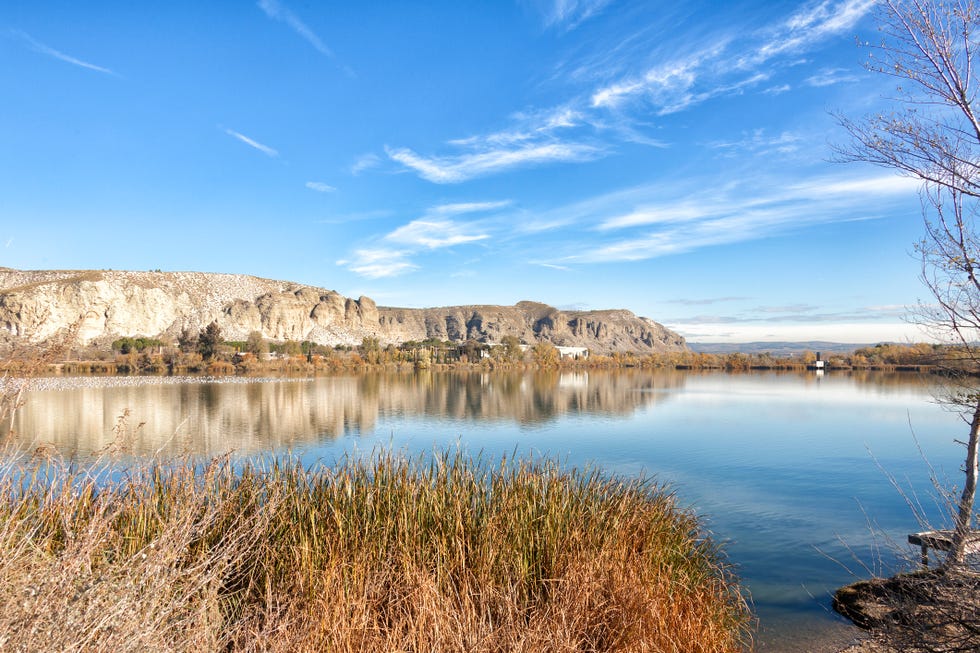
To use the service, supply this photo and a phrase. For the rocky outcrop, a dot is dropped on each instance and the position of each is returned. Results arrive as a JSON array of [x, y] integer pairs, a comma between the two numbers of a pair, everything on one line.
[[600, 331], [934, 609], [103, 305]]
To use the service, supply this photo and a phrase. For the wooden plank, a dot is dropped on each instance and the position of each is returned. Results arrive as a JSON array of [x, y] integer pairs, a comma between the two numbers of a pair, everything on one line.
[[942, 541]]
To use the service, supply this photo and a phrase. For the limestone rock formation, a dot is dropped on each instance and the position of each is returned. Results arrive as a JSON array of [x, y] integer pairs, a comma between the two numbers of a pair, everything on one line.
[[600, 331], [36, 305]]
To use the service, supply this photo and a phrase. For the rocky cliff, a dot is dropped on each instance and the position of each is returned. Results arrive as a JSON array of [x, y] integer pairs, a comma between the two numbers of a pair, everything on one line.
[[600, 331], [37, 304]]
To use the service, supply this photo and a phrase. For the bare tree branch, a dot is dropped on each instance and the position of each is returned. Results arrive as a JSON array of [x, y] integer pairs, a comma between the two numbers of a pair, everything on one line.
[[933, 134]]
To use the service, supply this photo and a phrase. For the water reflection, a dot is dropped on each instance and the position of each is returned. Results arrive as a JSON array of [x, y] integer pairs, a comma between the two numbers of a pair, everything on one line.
[[212, 418], [782, 464]]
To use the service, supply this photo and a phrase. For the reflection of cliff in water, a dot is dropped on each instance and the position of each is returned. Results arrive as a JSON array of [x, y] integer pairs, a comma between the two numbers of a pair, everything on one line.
[[524, 398], [209, 418], [193, 418]]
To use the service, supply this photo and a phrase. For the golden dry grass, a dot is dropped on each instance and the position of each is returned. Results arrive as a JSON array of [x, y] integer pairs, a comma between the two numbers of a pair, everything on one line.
[[384, 553]]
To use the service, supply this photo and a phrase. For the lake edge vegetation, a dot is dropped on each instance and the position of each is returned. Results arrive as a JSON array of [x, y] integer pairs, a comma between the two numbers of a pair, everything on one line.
[[257, 355], [375, 553]]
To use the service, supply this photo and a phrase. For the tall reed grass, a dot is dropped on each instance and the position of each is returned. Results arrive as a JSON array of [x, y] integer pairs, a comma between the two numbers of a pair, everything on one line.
[[382, 553]]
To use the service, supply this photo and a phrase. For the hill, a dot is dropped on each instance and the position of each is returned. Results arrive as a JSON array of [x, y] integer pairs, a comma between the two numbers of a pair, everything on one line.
[[35, 305]]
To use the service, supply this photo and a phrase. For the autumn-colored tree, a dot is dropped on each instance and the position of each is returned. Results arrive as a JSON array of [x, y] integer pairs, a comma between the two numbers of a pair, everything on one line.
[[545, 354], [371, 350]]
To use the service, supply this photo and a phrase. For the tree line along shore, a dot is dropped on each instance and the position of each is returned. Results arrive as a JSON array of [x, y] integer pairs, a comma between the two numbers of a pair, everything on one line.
[[207, 353]]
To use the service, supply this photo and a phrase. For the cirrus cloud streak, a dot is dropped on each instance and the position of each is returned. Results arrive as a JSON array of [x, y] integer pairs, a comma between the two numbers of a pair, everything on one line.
[[41, 48], [435, 230], [462, 167], [618, 106]]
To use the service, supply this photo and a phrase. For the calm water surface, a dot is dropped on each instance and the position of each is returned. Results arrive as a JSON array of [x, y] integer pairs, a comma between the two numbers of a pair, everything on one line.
[[786, 468]]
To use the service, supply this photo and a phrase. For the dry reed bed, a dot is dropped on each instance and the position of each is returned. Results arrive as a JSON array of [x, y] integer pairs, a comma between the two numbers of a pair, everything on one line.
[[384, 553]]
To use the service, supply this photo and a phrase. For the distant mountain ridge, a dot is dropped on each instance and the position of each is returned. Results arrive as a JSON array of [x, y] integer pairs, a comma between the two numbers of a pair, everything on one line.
[[35, 305], [775, 348]]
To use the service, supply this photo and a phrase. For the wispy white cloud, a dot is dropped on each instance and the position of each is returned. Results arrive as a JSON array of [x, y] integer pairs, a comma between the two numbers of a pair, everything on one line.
[[37, 46], [760, 142], [711, 70], [435, 230], [529, 126], [812, 23], [434, 234], [878, 185], [786, 308], [265, 149], [778, 90], [664, 218], [692, 320], [320, 187], [688, 100], [768, 207], [461, 208], [795, 313], [828, 16], [705, 301], [698, 234], [364, 162], [687, 210], [661, 83], [622, 97], [831, 76], [552, 266], [867, 332], [455, 169], [378, 263], [569, 14], [731, 62], [277, 11], [536, 137]]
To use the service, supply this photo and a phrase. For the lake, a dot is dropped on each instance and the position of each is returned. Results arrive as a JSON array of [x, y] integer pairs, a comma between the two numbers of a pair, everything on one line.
[[790, 470]]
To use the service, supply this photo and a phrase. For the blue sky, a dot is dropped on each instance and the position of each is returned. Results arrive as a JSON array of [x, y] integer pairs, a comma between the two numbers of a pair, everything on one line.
[[669, 158]]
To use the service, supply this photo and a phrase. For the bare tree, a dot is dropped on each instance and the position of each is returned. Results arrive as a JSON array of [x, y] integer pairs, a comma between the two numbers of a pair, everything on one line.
[[933, 135], [256, 343]]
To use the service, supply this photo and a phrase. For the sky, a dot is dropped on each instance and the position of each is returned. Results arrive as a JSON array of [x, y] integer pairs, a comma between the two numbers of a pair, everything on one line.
[[673, 159]]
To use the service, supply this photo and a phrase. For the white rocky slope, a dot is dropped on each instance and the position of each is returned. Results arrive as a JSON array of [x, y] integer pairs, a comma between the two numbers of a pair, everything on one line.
[[38, 304]]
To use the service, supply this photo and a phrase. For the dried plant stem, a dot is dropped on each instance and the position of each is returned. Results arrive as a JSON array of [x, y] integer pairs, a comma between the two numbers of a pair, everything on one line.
[[377, 554]]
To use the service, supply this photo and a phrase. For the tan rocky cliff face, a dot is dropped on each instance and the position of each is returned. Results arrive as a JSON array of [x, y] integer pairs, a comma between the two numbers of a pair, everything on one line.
[[600, 331], [38, 304]]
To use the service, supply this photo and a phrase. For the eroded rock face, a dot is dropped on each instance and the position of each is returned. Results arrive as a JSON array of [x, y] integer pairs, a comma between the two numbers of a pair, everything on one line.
[[600, 331], [37, 305]]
